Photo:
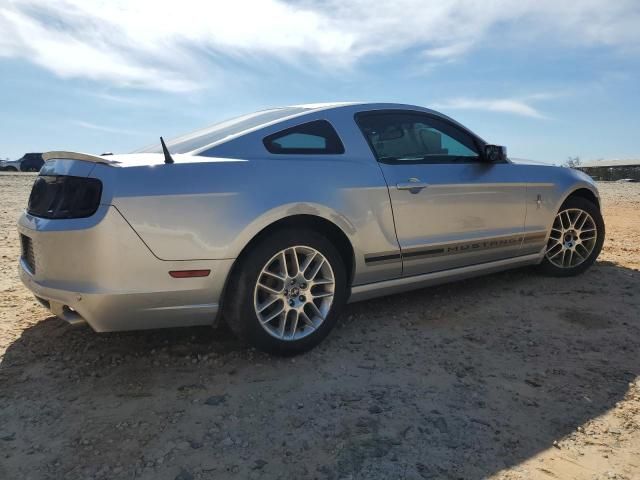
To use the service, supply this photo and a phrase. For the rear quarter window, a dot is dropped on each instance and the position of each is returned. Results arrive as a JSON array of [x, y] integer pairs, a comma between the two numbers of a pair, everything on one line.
[[311, 138]]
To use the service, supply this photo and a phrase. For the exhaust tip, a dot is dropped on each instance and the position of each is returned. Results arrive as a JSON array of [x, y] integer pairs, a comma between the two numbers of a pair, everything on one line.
[[72, 317]]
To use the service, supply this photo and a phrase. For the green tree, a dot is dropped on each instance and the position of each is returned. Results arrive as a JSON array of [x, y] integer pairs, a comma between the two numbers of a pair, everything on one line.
[[573, 162]]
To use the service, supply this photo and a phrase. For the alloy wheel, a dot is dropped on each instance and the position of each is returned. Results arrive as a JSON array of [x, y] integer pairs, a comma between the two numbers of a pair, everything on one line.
[[573, 238], [294, 293]]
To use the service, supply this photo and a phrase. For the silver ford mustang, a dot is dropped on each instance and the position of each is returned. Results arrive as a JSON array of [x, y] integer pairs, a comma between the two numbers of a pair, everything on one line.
[[274, 220]]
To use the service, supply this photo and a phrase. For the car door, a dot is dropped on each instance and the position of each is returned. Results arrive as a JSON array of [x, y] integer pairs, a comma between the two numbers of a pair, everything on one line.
[[451, 208]]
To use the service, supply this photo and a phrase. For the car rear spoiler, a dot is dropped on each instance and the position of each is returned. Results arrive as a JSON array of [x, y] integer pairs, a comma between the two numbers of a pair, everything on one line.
[[85, 157]]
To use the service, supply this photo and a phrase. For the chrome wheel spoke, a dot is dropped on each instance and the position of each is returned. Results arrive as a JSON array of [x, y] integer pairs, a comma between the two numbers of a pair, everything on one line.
[[316, 311], [316, 269], [294, 323], [569, 221], [585, 251], [273, 291], [268, 303], [283, 325], [322, 294], [274, 315], [307, 262], [555, 235], [283, 261], [563, 258], [558, 252], [277, 276], [307, 320], [564, 217], [295, 264], [584, 217]]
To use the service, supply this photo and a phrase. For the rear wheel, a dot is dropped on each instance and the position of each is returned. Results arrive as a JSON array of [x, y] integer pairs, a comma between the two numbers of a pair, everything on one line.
[[287, 291], [575, 240], [10, 169]]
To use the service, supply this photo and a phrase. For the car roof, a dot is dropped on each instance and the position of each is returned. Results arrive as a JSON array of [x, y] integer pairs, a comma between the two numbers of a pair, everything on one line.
[[198, 141], [314, 107]]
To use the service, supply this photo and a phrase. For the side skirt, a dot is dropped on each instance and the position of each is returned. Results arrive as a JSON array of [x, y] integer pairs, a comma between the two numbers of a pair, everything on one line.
[[404, 284]]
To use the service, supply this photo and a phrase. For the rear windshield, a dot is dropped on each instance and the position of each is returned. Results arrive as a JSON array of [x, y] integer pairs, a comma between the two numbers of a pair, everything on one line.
[[201, 138]]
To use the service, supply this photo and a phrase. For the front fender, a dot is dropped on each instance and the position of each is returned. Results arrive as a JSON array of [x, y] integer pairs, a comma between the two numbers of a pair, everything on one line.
[[577, 180]]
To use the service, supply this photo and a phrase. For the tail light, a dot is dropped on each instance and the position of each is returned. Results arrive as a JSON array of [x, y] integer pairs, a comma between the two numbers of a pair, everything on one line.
[[64, 197]]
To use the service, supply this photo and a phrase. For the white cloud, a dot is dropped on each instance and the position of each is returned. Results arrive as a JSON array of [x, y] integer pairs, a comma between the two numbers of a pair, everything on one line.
[[503, 105], [102, 128], [180, 46]]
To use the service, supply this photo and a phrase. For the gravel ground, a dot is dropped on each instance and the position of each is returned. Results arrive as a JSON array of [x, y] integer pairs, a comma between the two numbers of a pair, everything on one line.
[[511, 376]]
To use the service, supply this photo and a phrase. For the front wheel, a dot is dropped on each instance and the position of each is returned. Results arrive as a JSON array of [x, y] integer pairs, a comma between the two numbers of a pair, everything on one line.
[[286, 293], [575, 239]]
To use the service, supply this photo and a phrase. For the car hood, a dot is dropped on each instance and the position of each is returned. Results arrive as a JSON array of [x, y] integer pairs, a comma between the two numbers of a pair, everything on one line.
[[526, 161]]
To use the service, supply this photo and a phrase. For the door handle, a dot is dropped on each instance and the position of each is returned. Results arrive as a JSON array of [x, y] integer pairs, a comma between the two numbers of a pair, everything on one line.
[[414, 185]]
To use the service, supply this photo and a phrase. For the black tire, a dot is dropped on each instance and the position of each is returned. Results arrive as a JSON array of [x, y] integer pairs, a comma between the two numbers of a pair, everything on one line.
[[548, 268], [11, 169], [239, 311]]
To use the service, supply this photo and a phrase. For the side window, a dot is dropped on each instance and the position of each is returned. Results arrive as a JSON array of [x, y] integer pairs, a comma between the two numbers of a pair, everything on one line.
[[411, 137], [317, 137]]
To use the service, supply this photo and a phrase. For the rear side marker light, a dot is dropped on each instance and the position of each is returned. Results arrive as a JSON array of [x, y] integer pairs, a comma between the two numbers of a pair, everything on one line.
[[189, 273]]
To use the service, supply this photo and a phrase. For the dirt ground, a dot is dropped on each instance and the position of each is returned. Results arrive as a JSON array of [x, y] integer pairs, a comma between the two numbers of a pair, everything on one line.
[[511, 376]]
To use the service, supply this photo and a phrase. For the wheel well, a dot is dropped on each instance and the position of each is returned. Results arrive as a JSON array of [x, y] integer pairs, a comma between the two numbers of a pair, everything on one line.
[[586, 194], [333, 233]]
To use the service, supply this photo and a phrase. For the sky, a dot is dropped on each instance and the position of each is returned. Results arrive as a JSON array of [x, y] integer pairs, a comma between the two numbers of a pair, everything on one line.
[[548, 79]]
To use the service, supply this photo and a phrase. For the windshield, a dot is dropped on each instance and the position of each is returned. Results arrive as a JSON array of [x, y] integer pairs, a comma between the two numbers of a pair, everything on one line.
[[206, 136]]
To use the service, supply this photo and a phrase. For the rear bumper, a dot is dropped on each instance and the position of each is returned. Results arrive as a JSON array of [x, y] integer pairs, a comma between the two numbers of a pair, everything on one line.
[[101, 273]]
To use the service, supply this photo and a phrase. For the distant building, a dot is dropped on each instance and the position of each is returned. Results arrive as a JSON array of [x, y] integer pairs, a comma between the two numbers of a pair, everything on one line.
[[612, 169]]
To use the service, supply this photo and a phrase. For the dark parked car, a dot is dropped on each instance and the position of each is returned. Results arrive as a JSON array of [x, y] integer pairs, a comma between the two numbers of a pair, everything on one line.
[[31, 162]]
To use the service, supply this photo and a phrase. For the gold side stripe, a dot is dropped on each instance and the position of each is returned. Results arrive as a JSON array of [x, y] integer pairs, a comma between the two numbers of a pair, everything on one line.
[[455, 248]]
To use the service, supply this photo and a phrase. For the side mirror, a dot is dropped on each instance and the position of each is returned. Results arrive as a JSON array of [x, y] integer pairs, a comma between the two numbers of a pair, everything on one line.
[[495, 154]]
